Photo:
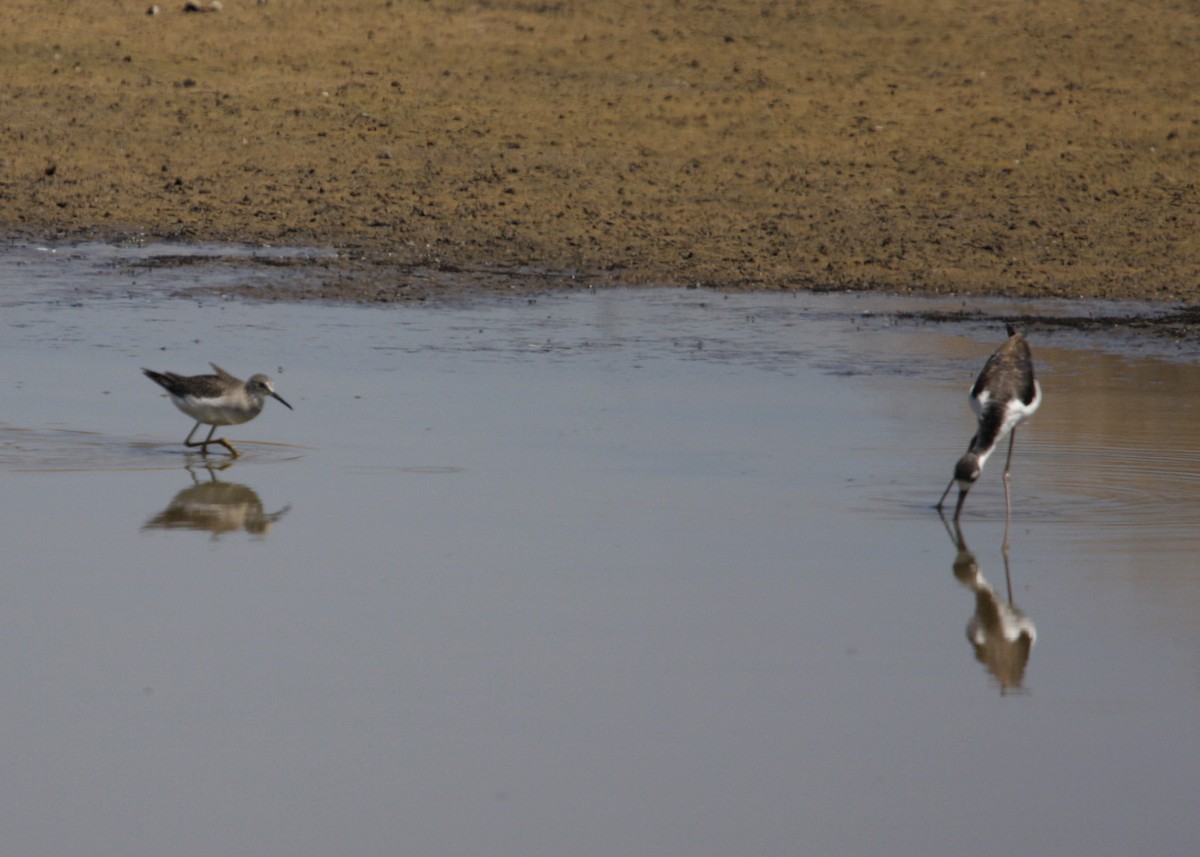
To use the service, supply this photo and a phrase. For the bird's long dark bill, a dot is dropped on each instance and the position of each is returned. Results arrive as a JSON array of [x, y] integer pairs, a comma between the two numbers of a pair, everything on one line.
[[962, 496], [280, 398]]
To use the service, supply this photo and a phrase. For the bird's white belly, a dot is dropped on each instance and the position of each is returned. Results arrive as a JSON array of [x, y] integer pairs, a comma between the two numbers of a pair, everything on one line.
[[214, 412]]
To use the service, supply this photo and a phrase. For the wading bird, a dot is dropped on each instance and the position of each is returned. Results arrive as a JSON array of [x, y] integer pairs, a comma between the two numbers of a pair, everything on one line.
[[216, 400], [1005, 395]]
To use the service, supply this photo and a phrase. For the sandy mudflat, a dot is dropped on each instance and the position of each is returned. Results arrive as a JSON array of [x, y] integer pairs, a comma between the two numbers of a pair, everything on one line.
[[1026, 148]]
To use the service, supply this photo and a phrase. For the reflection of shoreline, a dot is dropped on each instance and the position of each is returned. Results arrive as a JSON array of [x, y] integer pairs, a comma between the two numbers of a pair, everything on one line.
[[1001, 635], [217, 507]]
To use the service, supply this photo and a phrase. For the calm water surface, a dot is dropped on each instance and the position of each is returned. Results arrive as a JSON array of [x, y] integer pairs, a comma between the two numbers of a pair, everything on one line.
[[623, 573]]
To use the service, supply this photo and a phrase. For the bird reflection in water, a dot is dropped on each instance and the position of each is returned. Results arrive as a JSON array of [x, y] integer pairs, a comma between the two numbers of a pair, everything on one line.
[[216, 506], [1000, 633]]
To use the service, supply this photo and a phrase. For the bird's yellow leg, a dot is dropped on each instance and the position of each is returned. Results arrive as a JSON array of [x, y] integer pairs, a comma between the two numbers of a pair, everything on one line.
[[228, 446], [203, 444]]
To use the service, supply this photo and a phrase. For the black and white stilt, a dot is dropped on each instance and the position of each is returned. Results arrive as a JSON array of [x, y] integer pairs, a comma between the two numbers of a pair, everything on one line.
[[1005, 395]]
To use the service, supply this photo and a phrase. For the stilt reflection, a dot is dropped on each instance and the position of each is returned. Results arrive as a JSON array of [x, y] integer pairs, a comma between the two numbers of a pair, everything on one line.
[[1001, 635]]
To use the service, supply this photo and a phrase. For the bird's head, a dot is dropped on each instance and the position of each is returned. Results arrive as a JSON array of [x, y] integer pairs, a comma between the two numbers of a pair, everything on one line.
[[262, 386], [967, 471]]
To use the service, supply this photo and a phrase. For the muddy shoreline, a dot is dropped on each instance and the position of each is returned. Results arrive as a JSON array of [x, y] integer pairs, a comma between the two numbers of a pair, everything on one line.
[[1004, 149]]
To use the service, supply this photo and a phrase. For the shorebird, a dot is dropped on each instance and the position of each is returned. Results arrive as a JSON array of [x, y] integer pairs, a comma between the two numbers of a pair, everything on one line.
[[1005, 395], [216, 400]]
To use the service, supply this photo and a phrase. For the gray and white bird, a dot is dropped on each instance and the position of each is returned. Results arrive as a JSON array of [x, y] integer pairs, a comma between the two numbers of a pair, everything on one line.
[[216, 400]]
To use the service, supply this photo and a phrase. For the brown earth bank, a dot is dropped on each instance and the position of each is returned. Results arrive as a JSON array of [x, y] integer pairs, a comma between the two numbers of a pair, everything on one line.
[[1017, 147]]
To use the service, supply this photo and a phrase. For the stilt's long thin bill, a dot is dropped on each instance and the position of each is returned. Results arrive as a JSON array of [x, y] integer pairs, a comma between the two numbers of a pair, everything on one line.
[[962, 498], [942, 501]]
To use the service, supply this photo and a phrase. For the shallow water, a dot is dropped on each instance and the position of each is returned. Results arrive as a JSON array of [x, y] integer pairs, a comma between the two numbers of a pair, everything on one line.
[[625, 572]]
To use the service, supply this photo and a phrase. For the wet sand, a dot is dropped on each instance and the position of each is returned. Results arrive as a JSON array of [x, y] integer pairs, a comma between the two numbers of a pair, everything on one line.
[[1009, 148]]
